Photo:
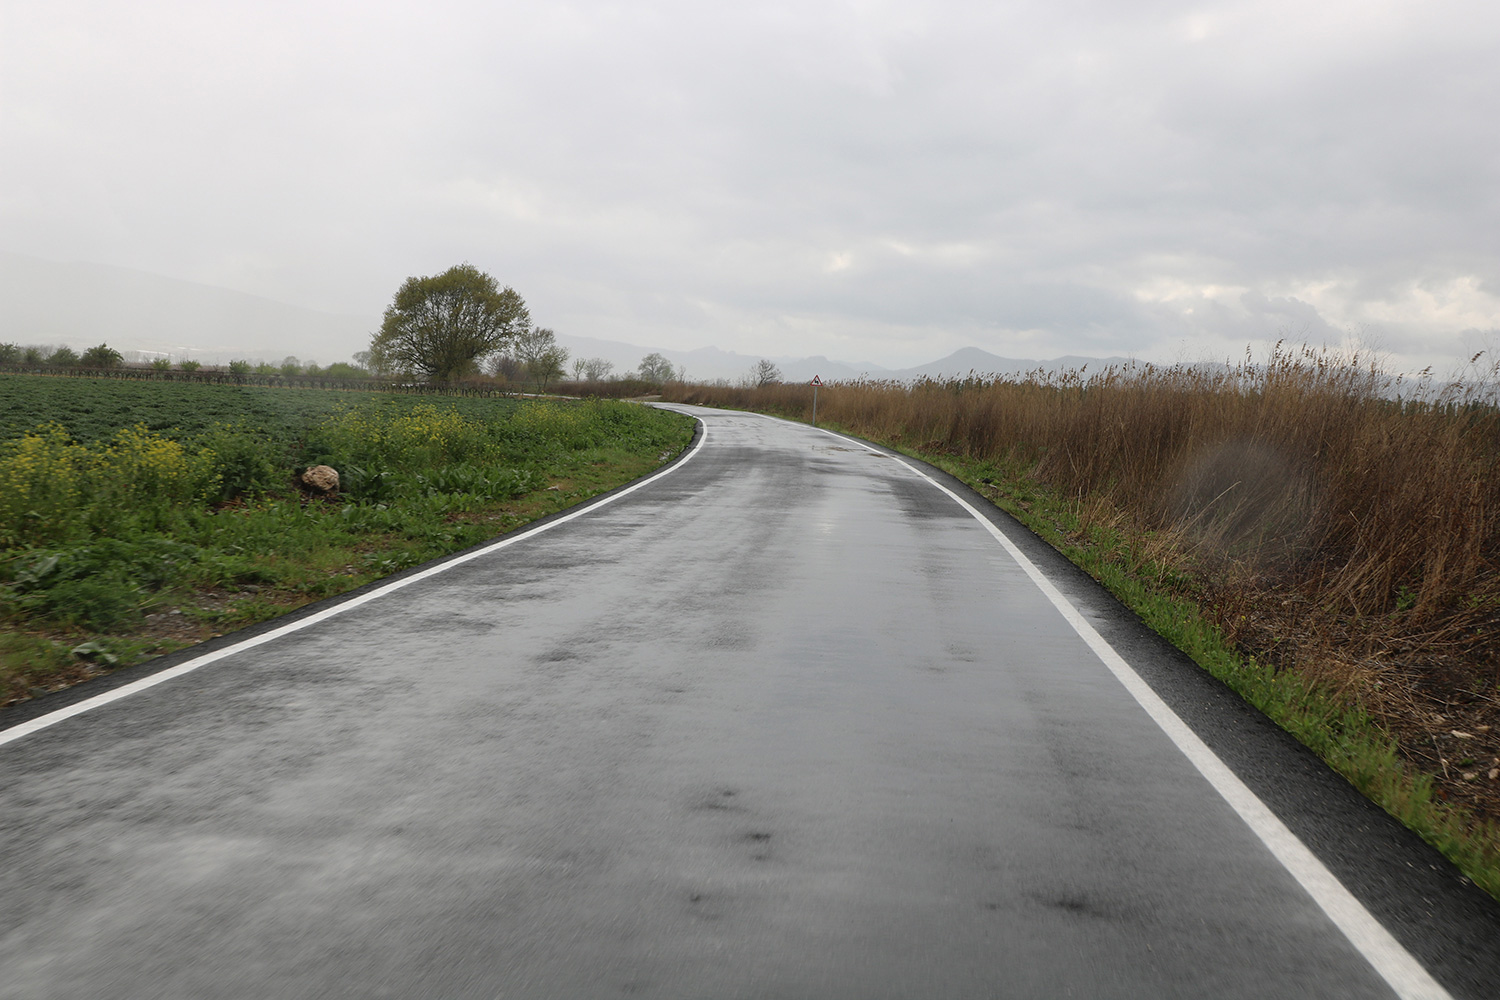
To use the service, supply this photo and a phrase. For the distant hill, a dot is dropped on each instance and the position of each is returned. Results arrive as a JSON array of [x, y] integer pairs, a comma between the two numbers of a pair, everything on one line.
[[706, 364], [82, 304]]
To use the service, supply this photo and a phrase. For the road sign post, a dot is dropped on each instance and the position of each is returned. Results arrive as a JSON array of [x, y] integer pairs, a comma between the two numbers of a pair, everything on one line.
[[817, 381]]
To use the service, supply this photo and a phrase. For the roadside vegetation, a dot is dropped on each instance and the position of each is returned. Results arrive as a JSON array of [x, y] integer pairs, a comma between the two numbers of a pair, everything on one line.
[[137, 518], [145, 506], [530, 363], [1323, 537]]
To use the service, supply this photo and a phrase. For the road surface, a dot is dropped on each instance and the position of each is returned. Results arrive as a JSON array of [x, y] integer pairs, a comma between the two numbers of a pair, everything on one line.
[[786, 721]]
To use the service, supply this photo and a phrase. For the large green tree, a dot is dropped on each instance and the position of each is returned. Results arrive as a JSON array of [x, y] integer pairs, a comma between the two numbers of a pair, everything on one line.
[[443, 325]]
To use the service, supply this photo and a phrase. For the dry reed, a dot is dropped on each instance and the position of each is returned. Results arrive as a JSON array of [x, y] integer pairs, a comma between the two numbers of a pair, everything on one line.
[[1327, 517]]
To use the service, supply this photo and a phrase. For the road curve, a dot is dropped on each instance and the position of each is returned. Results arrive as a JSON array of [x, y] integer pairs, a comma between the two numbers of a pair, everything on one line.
[[786, 721]]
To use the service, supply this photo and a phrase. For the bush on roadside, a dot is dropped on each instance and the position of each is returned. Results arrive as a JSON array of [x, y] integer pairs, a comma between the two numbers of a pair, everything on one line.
[[55, 490], [249, 463], [94, 535]]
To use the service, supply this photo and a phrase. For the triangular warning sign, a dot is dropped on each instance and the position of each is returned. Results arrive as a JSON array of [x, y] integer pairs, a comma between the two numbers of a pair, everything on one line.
[[817, 380]]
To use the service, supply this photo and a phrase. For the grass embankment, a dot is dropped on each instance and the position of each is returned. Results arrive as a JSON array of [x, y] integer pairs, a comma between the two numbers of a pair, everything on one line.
[[1329, 550], [119, 543]]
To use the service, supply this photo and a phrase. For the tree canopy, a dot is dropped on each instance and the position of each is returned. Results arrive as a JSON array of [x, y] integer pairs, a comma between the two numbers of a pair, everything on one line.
[[592, 369], [656, 369], [540, 352], [441, 326], [101, 356]]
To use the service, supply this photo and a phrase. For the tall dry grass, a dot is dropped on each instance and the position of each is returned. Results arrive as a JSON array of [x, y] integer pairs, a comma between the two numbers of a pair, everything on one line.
[[1379, 496], [1328, 517]]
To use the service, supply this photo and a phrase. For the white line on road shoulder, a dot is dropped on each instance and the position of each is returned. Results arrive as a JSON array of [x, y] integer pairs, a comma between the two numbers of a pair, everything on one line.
[[1392, 961], [188, 666]]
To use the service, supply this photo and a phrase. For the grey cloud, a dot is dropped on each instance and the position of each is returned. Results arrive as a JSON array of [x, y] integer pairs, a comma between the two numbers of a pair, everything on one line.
[[759, 177]]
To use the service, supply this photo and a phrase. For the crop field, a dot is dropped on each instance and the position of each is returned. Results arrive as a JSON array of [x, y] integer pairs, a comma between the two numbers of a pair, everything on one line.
[[91, 409], [138, 517], [1320, 536]]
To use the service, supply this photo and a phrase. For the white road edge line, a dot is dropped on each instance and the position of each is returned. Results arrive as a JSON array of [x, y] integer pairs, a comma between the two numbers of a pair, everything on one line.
[[41, 722], [1385, 954]]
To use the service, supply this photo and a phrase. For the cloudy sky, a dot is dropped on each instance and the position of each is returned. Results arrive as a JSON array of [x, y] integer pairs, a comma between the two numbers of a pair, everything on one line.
[[869, 180]]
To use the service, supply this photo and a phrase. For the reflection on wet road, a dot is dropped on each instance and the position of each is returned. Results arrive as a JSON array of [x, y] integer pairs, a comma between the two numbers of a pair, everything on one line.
[[785, 722]]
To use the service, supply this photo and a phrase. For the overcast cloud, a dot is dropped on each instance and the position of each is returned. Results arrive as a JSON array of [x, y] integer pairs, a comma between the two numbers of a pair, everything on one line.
[[872, 181]]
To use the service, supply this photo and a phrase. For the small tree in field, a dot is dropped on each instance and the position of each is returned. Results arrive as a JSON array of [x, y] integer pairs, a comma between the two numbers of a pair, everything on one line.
[[442, 326], [504, 367], [63, 357], [190, 366], [656, 369], [101, 356], [537, 349], [368, 364], [765, 373], [592, 369]]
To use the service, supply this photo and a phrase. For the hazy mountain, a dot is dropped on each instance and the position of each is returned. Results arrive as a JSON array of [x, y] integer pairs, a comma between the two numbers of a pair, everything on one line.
[[82, 304], [969, 360], [707, 364]]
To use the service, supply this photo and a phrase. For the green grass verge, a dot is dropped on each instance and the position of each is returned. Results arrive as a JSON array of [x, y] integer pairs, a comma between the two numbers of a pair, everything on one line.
[[124, 565]]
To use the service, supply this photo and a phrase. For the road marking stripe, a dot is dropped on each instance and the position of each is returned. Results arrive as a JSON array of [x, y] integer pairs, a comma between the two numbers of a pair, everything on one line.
[[41, 722], [1385, 954]]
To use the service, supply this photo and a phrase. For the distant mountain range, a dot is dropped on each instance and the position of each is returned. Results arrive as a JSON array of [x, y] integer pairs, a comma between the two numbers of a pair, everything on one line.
[[83, 304], [707, 364], [710, 363]]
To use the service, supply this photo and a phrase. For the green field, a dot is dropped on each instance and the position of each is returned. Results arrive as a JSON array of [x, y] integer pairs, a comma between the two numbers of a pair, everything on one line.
[[139, 517], [95, 408]]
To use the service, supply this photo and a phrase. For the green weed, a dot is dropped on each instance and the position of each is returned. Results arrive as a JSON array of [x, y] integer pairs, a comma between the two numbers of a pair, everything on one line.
[[95, 536]]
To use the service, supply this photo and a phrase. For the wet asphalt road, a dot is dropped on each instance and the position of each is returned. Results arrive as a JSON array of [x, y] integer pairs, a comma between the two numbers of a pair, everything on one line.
[[785, 722]]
